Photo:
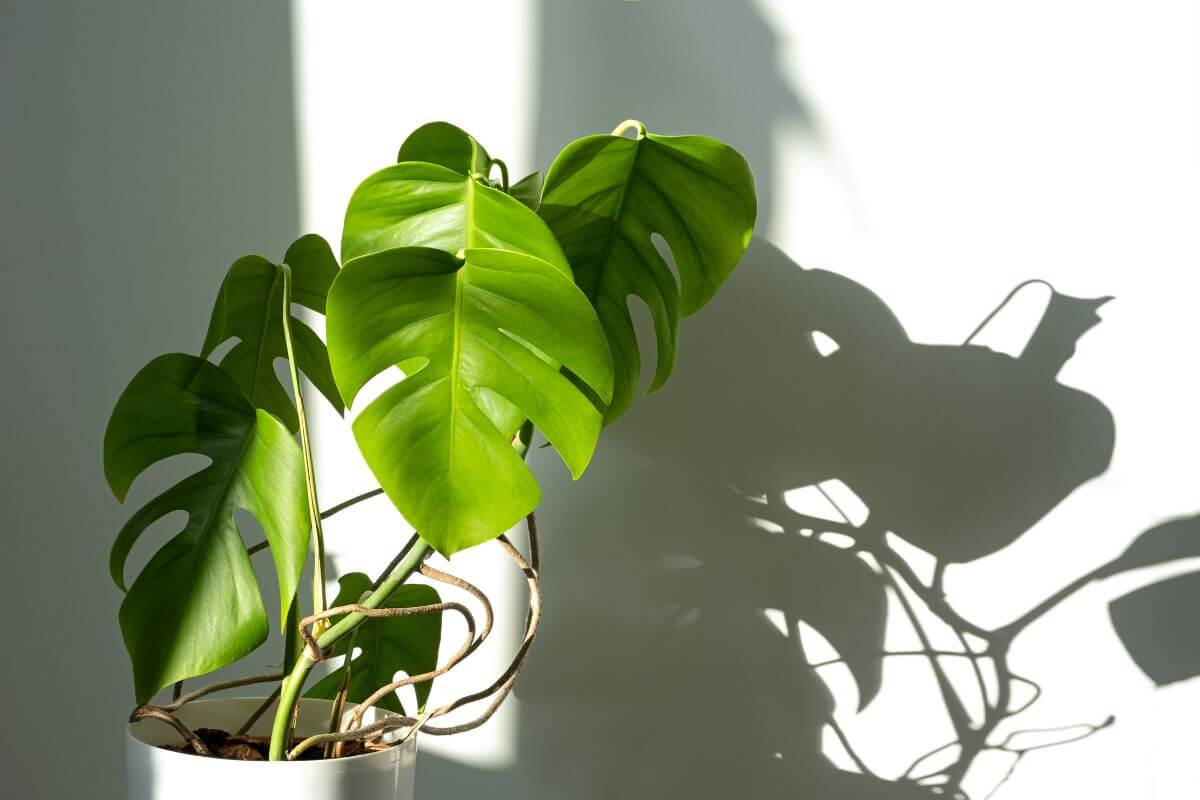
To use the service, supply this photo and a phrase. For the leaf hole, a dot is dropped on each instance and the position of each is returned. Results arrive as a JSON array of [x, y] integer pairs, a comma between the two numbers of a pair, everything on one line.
[[835, 672], [848, 504], [667, 255], [647, 343], [839, 540], [151, 541], [220, 351], [377, 386], [282, 374], [777, 619], [168, 472], [824, 344], [411, 366], [1014, 324]]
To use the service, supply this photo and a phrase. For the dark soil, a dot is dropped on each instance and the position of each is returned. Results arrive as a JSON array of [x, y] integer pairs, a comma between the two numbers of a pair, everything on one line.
[[255, 748]]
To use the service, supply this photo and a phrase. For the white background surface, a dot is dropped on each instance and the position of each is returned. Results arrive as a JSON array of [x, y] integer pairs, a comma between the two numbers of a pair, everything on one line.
[[936, 152]]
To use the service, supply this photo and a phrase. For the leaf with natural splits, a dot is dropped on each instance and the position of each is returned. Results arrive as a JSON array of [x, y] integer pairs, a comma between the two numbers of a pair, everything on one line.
[[196, 605], [386, 645], [491, 323], [249, 308], [606, 196]]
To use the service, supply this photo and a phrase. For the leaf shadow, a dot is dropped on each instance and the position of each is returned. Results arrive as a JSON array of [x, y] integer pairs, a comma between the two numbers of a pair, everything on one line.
[[656, 655]]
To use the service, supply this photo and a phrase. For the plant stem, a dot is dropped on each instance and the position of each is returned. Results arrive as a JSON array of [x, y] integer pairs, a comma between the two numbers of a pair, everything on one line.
[[637, 126], [293, 684], [310, 479]]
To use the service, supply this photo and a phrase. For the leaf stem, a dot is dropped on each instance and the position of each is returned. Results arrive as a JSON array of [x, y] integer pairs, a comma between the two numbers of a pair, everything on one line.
[[293, 684], [630, 123], [318, 544], [503, 172]]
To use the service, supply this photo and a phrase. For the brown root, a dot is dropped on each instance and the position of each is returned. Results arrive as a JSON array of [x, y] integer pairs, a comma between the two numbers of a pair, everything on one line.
[[189, 736]]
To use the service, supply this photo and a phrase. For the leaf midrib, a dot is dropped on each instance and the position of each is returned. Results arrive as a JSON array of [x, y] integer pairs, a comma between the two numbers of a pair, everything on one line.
[[614, 232], [456, 350], [227, 482], [262, 330]]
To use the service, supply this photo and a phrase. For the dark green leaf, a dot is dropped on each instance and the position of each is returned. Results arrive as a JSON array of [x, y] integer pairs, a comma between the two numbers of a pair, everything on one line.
[[388, 645], [528, 190], [605, 196], [249, 308], [447, 145], [494, 324], [196, 605]]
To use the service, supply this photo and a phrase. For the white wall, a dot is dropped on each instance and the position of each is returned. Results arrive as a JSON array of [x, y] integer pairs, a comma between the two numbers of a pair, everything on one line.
[[936, 153], [397, 67], [144, 148]]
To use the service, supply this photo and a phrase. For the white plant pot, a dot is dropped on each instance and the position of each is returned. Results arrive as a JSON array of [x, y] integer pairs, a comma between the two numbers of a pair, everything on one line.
[[153, 773]]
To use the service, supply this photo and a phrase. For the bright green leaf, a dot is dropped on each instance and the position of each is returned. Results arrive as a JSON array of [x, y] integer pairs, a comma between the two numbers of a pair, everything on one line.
[[494, 323], [388, 645], [196, 606], [249, 308], [605, 196], [426, 205], [447, 145]]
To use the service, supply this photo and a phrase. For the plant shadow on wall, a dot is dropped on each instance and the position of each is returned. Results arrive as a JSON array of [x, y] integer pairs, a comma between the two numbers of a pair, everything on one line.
[[674, 683], [678, 64]]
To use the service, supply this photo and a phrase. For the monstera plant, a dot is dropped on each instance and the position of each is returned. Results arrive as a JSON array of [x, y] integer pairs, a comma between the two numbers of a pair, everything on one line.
[[495, 312]]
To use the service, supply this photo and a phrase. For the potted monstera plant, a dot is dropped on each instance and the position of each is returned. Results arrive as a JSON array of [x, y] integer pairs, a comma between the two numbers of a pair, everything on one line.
[[501, 312]]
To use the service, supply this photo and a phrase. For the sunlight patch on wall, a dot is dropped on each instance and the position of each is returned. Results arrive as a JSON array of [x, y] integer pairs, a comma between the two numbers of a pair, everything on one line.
[[367, 74]]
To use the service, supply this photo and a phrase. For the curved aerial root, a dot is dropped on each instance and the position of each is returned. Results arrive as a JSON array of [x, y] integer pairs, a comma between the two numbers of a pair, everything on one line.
[[314, 650], [184, 699], [454, 580], [498, 690], [363, 734], [189, 736], [468, 647]]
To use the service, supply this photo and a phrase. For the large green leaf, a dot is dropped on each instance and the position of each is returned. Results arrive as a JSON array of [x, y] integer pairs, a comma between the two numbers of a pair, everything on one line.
[[196, 605], [249, 308], [427, 205], [448, 145], [605, 196], [491, 323], [387, 645]]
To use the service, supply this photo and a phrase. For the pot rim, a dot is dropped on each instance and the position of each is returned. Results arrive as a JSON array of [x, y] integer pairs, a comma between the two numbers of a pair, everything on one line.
[[160, 752]]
